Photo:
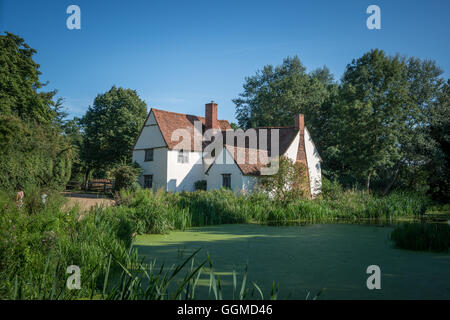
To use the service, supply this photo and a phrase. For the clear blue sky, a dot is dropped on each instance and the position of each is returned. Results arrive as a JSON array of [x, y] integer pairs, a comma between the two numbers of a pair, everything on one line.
[[179, 55]]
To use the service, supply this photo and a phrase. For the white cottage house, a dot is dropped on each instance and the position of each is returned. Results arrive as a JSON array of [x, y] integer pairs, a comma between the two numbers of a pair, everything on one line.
[[167, 166]]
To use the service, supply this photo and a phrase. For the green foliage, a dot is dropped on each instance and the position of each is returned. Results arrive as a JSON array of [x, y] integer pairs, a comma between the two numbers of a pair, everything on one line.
[[289, 183], [161, 212], [331, 189], [33, 154], [125, 176], [200, 185], [438, 147], [384, 125], [19, 82], [40, 241], [32, 149], [111, 126], [275, 94], [423, 236]]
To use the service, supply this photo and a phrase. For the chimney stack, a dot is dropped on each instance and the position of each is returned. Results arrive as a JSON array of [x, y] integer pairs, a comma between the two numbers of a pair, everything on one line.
[[300, 123], [211, 121]]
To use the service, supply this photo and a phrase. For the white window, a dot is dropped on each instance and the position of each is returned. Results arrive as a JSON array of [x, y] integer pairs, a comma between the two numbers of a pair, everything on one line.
[[183, 156]]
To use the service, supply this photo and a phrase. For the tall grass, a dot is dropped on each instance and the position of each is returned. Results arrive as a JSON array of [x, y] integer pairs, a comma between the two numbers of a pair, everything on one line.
[[161, 212], [39, 241]]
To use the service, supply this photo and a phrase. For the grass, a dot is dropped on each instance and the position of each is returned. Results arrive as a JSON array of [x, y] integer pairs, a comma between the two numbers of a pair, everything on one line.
[[423, 237], [40, 240], [162, 212]]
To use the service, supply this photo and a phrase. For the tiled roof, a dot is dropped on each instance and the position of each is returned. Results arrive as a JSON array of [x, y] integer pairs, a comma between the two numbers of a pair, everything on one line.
[[168, 122], [286, 137]]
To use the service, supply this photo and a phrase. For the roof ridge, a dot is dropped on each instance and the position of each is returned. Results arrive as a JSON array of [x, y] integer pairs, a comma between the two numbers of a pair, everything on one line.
[[275, 127], [181, 114]]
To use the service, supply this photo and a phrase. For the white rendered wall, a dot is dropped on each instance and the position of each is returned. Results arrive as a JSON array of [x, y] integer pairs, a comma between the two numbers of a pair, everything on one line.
[[157, 167], [314, 167], [182, 176], [151, 136], [291, 152], [228, 166]]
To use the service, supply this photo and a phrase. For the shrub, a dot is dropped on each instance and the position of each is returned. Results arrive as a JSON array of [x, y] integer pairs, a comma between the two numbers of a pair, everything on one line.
[[289, 183], [125, 176], [33, 154], [200, 185]]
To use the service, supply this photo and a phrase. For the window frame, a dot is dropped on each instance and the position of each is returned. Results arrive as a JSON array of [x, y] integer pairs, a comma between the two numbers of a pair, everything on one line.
[[146, 176], [152, 155], [182, 156], [226, 177]]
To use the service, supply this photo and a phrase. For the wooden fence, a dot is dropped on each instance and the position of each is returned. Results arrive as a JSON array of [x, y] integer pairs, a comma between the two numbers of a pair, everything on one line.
[[95, 185]]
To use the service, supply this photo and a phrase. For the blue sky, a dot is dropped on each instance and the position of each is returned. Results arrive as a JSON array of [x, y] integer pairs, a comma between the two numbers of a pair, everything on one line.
[[179, 55]]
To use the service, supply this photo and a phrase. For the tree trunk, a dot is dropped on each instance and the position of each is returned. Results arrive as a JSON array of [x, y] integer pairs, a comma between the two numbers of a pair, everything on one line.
[[389, 185], [86, 178], [368, 182]]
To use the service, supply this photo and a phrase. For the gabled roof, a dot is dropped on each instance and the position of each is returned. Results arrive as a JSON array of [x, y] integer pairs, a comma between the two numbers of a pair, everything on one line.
[[168, 122], [286, 137]]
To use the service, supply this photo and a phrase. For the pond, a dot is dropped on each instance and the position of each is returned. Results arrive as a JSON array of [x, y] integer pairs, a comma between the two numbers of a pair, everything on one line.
[[307, 258]]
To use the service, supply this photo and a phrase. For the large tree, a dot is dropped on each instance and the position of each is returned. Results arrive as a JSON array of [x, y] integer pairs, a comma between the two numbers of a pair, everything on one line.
[[373, 114], [33, 150], [19, 82], [275, 94], [111, 126]]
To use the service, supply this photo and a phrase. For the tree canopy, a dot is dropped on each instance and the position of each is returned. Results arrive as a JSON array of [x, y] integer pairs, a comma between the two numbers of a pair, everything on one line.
[[111, 126], [19, 82], [376, 127], [33, 150]]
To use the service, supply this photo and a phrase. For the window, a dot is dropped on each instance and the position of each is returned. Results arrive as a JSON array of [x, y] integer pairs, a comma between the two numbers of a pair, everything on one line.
[[148, 155], [226, 180], [183, 157], [148, 181]]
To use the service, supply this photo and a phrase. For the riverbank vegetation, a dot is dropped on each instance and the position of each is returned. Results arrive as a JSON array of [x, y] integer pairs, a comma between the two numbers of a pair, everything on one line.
[[40, 240]]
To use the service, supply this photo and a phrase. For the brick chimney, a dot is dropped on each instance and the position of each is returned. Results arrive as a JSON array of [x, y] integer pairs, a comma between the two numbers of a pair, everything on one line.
[[301, 151], [300, 123], [300, 126], [211, 121]]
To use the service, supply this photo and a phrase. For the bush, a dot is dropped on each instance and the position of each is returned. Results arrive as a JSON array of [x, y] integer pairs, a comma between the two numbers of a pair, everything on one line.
[[125, 176], [200, 185], [331, 189], [32, 154], [289, 183], [424, 236]]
